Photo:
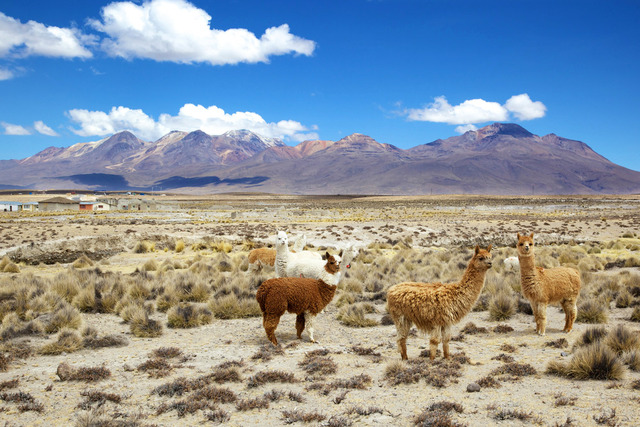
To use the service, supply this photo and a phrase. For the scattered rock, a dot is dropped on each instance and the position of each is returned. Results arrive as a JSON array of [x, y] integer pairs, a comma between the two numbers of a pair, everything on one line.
[[473, 387]]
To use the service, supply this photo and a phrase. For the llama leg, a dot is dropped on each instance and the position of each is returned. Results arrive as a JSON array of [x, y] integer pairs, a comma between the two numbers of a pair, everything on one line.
[[402, 328], [570, 312], [270, 323], [446, 336], [300, 324], [308, 317], [436, 336], [541, 320]]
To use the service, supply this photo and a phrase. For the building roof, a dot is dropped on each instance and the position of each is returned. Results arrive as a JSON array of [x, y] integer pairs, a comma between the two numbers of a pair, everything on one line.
[[59, 200]]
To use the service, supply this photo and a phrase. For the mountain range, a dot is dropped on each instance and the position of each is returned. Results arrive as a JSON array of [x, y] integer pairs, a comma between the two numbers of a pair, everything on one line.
[[502, 158]]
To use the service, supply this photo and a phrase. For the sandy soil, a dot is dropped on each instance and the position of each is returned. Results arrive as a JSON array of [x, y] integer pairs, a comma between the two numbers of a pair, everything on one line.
[[428, 222]]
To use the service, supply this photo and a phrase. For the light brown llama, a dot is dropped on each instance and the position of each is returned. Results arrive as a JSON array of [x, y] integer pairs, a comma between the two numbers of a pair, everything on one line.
[[543, 286], [261, 257], [434, 307], [301, 296]]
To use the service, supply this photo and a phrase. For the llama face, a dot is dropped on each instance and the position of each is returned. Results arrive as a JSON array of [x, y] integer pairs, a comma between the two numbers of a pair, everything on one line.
[[333, 263], [483, 260], [281, 239], [525, 245]]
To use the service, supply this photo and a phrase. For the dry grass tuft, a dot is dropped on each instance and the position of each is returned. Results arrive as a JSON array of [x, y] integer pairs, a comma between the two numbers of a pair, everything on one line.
[[290, 417], [83, 262], [232, 307], [266, 353], [622, 340], [355, 315], [437, 373], [166, 352], [439, 414], [318, 365], [501, 307], [264, 377], [595, 361], [87, 374], [68, 341], [188, 315], [592, 311], [142, 326]]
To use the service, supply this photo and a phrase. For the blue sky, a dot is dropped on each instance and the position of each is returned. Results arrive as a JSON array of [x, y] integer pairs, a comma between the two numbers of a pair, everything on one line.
[[403, 72]]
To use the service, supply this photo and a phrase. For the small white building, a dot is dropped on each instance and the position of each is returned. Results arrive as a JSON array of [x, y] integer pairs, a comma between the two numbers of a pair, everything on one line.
[[29, 207], [10, 206]]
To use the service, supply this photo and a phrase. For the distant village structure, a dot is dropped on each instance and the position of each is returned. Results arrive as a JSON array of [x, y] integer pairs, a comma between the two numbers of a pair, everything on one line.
[[55, 204], [82, 204]]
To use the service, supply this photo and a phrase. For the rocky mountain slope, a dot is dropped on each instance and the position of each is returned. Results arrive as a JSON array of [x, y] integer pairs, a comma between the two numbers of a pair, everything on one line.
[[502, 158]]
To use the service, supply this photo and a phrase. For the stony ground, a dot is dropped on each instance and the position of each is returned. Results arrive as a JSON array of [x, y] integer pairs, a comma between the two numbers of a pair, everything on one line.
[[361, 355]]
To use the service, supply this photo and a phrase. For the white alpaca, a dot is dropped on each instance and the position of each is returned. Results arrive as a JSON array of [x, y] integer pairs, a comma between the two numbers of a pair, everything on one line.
[[282, 254], [511, 264], [315, 268]]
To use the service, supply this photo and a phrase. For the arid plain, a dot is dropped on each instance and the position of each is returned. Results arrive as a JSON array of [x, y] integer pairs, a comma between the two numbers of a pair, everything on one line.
[[149, 318]]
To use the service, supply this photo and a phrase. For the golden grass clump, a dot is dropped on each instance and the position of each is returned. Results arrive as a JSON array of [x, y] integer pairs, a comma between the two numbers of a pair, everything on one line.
[[179, 246], [188, 315], [501, 307], [150, 265], [65, 316], [592, 311], [83, 262], [66, 285], [68, 341], [221, 246], [595, 362], [232, 307], [8, 266], [144, 246], [144, 327], [355, 315], [622, 340]]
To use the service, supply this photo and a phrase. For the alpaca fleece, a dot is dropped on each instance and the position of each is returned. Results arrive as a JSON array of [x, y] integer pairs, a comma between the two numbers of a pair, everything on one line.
[[434, 307], [544, 286], [303, 297], [262, 256]]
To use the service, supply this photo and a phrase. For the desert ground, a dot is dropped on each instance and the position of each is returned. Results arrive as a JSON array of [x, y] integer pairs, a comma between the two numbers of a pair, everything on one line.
[[149, 318]]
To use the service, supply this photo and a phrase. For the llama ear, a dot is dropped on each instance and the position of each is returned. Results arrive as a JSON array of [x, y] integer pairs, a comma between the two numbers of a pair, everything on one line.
[[518, 236], [340, 253], [477, 249], [327, 255], [532, 235], [489, 248]]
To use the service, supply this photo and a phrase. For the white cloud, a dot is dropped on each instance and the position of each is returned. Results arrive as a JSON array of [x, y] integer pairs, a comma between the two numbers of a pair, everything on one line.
[[178, 31], [34, 38], [475, 111], [6, 74], [470, 111], [44, 129], [11, 129], [465, 128], [524, 108], [212, 120]]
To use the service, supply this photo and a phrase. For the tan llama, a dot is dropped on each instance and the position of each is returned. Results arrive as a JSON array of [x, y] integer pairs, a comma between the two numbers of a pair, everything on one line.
[[434, 307], [543, 286]]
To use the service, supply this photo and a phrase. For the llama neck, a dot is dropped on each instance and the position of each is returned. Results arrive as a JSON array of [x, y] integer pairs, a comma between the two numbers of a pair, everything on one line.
[[472, 282], [326, 292], [527, 265]]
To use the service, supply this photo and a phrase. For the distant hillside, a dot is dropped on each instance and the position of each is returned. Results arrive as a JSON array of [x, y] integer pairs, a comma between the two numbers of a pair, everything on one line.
[[502, 158]]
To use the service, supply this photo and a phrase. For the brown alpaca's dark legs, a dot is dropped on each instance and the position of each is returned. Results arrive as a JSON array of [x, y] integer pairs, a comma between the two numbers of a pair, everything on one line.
[[300, 324], [270, 323]]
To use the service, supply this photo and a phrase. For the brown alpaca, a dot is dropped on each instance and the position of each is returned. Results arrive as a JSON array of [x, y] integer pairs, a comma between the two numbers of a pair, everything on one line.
[[434, 307], [261, 257], [301, 296], [543, 286]]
